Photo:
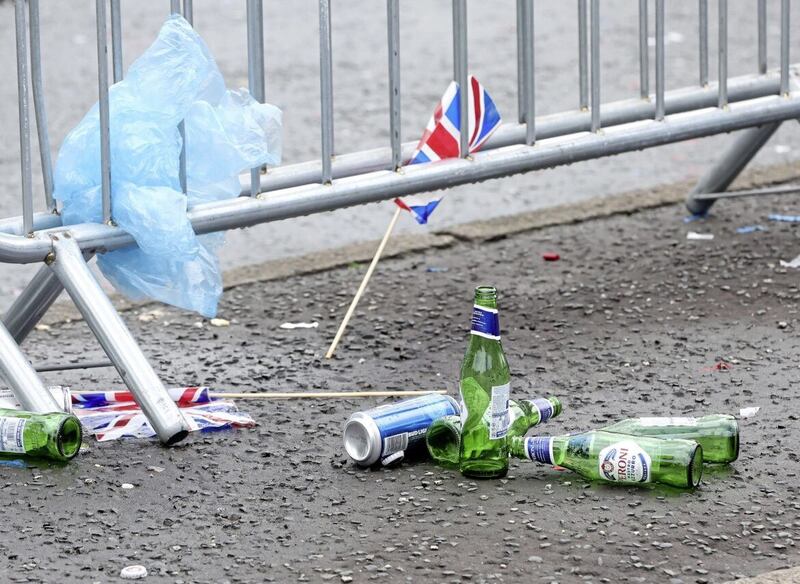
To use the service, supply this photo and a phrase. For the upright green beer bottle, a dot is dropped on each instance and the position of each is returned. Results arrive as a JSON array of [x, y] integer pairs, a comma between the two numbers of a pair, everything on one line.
[[611, 457], [485, 392], [718, 434], [444, 435], [57, 435]]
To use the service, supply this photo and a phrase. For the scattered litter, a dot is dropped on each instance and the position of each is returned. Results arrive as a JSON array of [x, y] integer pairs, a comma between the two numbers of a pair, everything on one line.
[[719, 366], [795, 263], [784, 218], [60, 393], [299, 325], [127, 486], [782, 149], [783, 324], [550, 256], [135, 572], [694, 236], [16, 463], [750, 229], [219, 322], [150, 316], [695, 217], [111, 415], [42, 327], [748, 412], [156, 468], [436, 269]]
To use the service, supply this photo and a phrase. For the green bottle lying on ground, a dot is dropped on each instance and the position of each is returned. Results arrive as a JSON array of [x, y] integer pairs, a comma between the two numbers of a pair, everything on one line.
[[443, 437], [718, 434], [56, 436], [485, 389], [612, 457]]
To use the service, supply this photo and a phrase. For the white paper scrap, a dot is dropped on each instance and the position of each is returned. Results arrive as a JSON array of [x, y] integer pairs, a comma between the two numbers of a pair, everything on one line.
[[795, 263], [748, 412], [693, 235], [299, 325]]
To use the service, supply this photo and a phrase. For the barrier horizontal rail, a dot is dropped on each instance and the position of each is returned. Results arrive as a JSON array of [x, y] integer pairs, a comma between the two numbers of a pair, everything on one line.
[[385, 185], [612, 114]]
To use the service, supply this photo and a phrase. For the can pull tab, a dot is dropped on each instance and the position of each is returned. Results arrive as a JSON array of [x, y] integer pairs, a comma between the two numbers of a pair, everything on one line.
[[393, 459]]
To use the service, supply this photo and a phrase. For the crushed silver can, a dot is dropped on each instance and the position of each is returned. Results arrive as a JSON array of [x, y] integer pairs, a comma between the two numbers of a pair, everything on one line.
[[385, 431]]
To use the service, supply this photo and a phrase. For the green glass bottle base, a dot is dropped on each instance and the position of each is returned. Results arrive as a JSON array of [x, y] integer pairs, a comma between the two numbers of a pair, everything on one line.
[[480, 469]]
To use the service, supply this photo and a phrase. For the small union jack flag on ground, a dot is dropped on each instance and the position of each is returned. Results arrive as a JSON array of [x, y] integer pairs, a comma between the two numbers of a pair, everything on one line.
[[442, 138], [110, 415]]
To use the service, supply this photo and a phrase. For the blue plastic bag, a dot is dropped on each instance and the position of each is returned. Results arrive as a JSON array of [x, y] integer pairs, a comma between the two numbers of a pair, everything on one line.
[[227, 132]]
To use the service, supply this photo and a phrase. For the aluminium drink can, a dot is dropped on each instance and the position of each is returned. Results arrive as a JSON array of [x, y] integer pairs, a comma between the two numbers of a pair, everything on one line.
[[380, 432]]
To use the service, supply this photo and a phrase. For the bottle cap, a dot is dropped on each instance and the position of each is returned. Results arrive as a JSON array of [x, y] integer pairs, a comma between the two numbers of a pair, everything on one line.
[[133, 572]]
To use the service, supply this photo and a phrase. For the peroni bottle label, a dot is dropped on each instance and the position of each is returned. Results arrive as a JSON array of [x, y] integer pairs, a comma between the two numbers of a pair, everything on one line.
[[625, 462]]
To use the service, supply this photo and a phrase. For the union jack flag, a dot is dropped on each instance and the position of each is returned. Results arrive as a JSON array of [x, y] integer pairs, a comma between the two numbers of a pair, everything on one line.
[[111, 415], [441, 138]]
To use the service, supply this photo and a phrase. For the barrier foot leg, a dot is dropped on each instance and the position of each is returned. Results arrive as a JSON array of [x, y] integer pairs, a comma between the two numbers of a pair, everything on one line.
[[71, 268], [29, 308], [726, 169], [22, 378]]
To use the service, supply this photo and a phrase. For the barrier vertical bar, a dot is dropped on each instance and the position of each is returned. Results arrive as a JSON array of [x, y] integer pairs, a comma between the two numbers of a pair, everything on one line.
[[583, 54], [521, 61], [660, 22], [38, 104], [102, 80], [785, 47], [326, 87], [254, 72], [644, 58], [703, 33], [722, 57], [188, 11], [595, 65], [24, 115], [175, 8], [116, 41], [393, 38], [530, 92], [762, 36], [461, 68]]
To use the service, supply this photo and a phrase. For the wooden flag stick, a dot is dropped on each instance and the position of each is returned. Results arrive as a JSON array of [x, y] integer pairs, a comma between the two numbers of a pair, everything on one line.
[[363, 285], [318, 394]]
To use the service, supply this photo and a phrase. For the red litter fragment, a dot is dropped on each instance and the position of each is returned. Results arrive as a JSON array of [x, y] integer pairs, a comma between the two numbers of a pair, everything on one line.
[[550, 256], [719, 366]]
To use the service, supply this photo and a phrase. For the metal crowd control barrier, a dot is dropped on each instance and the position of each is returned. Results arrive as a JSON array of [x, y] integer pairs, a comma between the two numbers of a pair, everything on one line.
[[758, 103]]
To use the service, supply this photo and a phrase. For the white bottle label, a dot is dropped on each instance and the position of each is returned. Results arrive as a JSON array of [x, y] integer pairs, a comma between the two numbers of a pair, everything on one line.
[[649, 422], [11, 430], [625, 462], [500, 419]]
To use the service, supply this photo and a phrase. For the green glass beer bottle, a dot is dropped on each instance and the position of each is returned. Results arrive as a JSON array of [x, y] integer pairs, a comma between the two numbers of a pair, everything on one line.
[[718, 434], [57, 435], [621, 458], [485, 388], [444, 435]]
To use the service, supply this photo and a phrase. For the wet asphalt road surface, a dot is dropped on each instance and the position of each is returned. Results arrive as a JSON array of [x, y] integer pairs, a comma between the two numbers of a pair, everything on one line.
[[360, 88], [629, 322]]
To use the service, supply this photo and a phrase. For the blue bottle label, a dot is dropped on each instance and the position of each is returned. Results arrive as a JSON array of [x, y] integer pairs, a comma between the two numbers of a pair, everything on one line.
[[540, 449], [545, 409], [485, 322]]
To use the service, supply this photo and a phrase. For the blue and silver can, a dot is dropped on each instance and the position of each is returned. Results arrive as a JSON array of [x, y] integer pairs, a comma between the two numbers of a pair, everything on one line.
[[381, 432]]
